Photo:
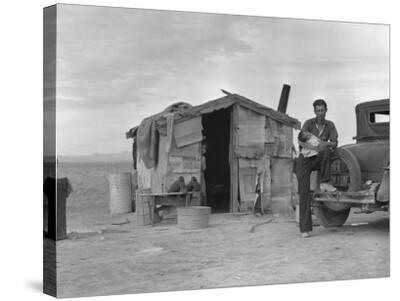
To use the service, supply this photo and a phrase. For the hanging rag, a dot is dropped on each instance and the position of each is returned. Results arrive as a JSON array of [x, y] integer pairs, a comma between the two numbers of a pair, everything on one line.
[[147, 142], [170, 128]]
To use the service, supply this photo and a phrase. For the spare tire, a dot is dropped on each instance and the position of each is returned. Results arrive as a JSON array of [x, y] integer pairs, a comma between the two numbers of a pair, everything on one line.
[[335, 214], [353, 166], [351, 162]]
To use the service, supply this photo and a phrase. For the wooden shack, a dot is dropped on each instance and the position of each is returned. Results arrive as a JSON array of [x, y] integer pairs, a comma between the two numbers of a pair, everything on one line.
[[242, 138]]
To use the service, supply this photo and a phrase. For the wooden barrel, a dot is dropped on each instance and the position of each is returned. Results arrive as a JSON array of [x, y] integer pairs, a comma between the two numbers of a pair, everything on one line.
[[120, 193], [193, 217]]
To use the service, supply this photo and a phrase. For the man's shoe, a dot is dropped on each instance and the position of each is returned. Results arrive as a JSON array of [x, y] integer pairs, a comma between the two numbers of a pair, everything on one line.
[[305, 234], [327, 187]]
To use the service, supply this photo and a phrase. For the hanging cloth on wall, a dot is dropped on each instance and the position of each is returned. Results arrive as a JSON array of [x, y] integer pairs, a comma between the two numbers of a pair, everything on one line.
[[147, 142], [170, 128]]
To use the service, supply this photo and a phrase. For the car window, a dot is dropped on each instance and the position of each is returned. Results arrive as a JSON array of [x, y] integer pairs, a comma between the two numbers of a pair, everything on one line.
[[379, 117]]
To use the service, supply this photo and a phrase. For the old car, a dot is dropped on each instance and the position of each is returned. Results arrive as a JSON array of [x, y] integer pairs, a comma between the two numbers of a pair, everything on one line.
[[360, 171]]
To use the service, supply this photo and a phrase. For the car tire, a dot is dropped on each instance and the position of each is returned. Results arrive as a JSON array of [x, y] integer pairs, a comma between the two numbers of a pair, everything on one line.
[[331, 218]]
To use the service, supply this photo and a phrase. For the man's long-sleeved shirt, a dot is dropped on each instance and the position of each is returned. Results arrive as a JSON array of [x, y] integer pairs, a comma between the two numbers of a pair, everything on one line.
[[328, 131]]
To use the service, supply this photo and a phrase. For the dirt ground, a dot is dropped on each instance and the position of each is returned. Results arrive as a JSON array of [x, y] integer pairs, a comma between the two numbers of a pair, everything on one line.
[[132, 259]]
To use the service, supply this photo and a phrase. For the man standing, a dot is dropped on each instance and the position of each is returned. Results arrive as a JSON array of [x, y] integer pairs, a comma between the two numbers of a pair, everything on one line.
[[309, 161]]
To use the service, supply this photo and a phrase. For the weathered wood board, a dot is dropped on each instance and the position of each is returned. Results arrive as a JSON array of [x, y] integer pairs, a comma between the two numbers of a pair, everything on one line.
[[250, 134]]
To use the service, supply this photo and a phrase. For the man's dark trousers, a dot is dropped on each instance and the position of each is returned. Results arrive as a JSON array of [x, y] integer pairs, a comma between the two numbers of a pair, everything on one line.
[[304, 167]]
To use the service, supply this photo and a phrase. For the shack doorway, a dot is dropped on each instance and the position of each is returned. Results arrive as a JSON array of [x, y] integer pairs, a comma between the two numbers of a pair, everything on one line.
[[216, 129]]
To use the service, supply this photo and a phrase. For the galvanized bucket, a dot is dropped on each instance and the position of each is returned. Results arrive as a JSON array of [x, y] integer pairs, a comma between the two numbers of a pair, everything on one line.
[[193, 217]]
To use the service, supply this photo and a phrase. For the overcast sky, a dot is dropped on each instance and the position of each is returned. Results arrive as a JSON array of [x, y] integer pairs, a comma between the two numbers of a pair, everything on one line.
[[116, 66]]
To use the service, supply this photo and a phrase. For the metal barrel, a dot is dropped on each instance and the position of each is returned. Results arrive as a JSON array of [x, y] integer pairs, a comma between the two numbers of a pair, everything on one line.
[[120, 193]]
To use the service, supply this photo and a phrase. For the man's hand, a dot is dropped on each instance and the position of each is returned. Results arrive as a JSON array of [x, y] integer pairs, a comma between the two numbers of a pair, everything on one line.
[[332, 145], [322, 146]]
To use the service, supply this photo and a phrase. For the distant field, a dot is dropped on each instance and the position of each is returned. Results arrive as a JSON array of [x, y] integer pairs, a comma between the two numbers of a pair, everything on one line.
[[88, 204]]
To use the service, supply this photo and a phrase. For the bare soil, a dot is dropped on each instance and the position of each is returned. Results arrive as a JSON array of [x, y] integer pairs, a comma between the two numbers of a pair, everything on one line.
[[119, 259]]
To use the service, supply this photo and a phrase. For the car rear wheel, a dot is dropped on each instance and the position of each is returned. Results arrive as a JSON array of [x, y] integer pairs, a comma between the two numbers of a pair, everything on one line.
[[331, 218]]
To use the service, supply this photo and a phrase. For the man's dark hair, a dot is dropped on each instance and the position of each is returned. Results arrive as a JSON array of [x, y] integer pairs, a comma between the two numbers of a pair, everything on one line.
[[320, 102]]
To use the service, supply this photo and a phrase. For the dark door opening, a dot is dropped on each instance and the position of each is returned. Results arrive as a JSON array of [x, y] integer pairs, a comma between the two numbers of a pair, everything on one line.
[[216, 129]]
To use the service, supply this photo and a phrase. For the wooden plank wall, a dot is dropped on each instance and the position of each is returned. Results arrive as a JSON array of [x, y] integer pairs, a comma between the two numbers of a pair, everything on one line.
[[275, 162], [267, 185], [233, 161], [248, 169], [251, 156], [279, 143], [189, 163], [281, 183], [278, 139], [250, 134]]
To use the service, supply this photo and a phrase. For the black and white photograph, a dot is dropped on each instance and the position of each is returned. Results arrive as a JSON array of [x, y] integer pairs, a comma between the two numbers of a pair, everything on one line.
[[189, 150]]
